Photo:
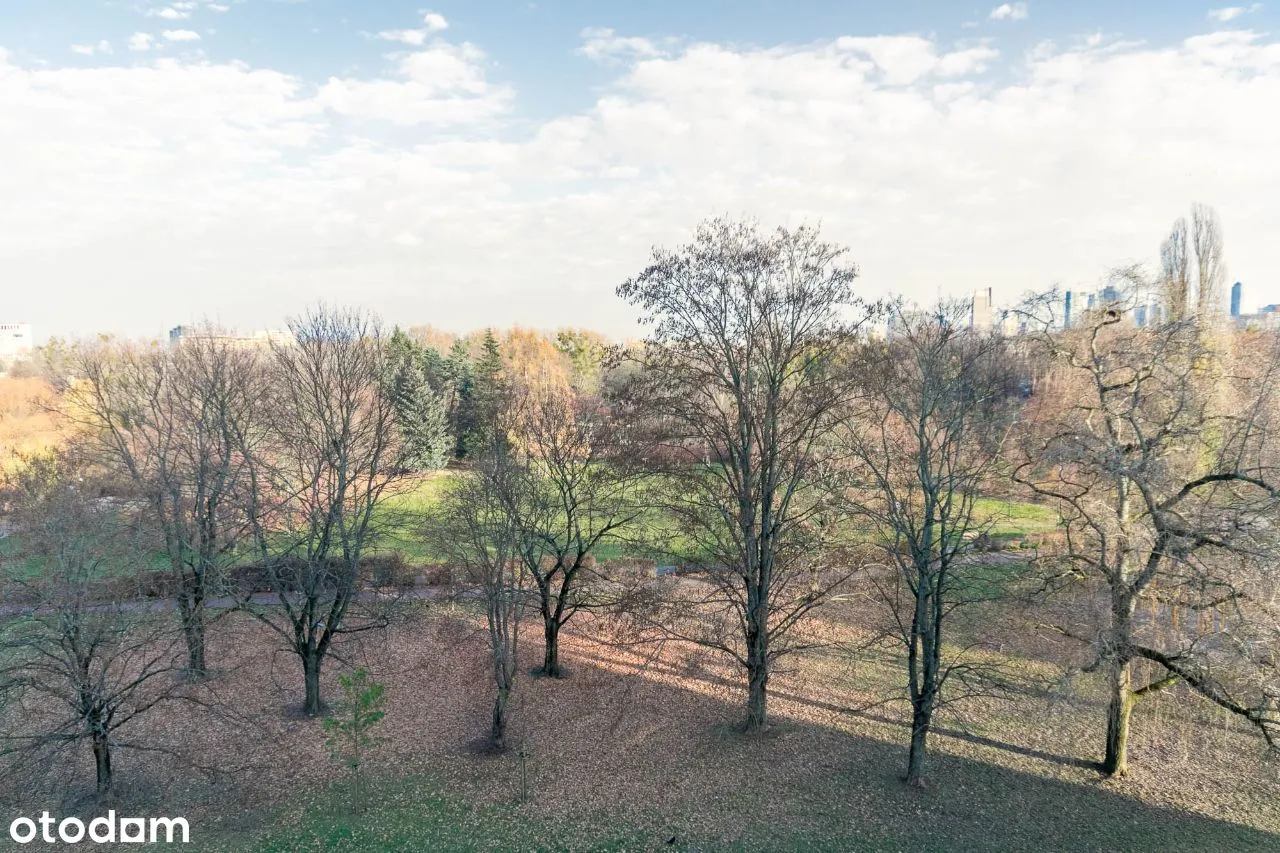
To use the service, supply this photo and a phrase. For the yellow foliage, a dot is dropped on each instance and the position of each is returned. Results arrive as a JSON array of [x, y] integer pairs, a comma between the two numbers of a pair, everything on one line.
[[26, 425], [533, 361]]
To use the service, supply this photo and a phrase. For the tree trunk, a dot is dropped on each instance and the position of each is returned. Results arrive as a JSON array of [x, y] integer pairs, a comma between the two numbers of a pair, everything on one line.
[[498, 732], [196, 667], [311, 677], [191, 606], [551, 656], [1119, 709], [920, 719], [757, 681], [102, 759]]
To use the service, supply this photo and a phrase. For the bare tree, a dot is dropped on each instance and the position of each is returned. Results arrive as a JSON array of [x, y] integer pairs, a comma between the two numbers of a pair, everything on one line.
[[925, 436], [327, 464], [1193, 266], [1170, 506], [1175, 264], [175, 423], [739, 378], [82, 656], [477, 526], [1211, 273], [580, 491]]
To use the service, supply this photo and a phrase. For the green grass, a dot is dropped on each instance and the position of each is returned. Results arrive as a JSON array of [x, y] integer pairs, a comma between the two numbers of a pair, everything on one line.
[[401, 518], [417, 813], [980, 808], [1016, 518]]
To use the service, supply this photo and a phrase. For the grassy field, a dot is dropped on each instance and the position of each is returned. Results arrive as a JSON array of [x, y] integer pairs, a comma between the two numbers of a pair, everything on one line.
[[402, 515], [984, 809]]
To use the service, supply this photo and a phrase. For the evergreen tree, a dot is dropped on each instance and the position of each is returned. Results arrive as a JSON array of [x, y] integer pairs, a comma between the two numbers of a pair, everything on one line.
[[420, 413], [487, 392], [461, 415], [436, 368]]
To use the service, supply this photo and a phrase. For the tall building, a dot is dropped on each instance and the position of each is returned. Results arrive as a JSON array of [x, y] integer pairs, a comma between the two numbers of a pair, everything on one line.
[[980, 312], [1066, 314], [1235, 299], [15, 339]]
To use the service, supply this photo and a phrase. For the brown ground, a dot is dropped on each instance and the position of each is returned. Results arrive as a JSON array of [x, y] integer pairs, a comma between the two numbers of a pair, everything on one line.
[[641, 734]]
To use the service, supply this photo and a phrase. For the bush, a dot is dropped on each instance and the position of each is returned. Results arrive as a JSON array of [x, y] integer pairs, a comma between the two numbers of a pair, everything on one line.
[[389, 570], [629, 570], [435, 574]]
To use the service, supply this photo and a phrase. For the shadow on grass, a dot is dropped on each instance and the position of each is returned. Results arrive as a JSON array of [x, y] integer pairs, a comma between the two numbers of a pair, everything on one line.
[[939, 731], [663, 775]]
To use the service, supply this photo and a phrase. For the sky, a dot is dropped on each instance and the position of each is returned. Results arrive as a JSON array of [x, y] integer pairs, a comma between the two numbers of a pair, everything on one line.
[[470, 164]]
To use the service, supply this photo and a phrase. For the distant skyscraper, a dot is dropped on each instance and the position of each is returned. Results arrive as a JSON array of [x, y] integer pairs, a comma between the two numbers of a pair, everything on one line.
[[980, 311], [1089, 303], [1140, 316], [1066, 314], [1235, 299]]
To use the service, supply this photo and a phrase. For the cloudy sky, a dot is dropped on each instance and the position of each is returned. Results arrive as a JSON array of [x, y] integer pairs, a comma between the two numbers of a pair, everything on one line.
[[507, 162]]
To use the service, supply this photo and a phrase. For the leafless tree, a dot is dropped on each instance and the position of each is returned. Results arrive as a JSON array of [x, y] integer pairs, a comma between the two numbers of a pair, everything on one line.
[[327, 464], [1170, 508], [1211, 273], [83, 657], [175, 422], [923, 439], [1193, 266], [477, 526], [579, 492], [739, 378], [1175, 263]]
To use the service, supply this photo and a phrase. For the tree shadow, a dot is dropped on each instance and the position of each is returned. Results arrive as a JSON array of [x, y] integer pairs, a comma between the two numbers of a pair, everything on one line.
[[815, 787], [940, 731]]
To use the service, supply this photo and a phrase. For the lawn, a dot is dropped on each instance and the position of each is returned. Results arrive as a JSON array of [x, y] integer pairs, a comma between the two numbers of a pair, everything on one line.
[[401, 519], [1016, 518]]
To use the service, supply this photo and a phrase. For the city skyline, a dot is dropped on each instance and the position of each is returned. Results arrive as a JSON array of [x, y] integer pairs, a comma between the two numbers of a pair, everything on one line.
[[464, 167]]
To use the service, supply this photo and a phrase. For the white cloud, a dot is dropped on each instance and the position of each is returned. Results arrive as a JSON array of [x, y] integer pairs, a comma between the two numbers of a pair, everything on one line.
[[603, 44], [218, 7], [414, 37], [1230, 13], [906, 59], [141, 41], [169, 13], [103, 46], [1009, 12], [181, 35], [431, 23], [263, 192], [443, 84]]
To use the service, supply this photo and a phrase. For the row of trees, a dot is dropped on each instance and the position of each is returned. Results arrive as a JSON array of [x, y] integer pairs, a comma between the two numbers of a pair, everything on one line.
[[762, 436], [768, 429]]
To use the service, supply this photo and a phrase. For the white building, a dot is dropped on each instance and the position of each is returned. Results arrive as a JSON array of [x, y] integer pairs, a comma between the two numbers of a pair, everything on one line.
[[263, 338], [15, 339], [981, 311]]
